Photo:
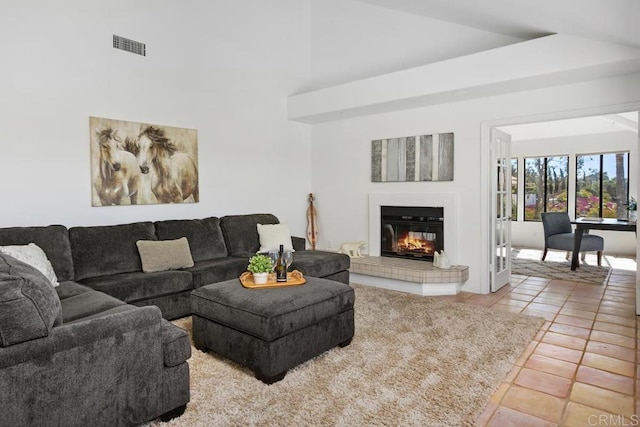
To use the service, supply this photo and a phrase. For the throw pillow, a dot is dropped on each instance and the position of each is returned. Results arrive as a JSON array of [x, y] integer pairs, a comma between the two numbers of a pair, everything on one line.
[[161, 255], [274, 235], [33, 255]]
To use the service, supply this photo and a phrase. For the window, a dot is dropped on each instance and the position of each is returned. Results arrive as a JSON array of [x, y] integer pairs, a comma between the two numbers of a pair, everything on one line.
[[602, 184], [546, 180], [514, 189]]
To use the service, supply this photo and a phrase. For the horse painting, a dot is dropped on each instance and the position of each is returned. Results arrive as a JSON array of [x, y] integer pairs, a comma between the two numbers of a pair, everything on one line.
[[173, 174], [119, 176]]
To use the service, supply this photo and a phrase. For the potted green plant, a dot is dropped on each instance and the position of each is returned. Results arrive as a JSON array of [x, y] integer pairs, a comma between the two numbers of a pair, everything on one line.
[[260, 266]]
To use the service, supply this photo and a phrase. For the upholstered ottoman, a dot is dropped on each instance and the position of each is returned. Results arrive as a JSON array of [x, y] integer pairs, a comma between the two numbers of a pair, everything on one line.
[[272, 330]]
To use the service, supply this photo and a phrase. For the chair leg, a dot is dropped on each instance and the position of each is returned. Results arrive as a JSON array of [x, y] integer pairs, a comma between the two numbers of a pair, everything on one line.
[[569, 256], [599, 258], [583, 255], [544, 254]]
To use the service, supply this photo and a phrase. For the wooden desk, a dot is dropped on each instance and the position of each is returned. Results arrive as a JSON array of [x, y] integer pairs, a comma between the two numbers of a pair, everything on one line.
[[596, 224]]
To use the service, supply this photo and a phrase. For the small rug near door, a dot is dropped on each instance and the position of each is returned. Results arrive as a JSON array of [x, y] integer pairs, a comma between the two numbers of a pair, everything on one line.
[[526, 262], [414, 361]]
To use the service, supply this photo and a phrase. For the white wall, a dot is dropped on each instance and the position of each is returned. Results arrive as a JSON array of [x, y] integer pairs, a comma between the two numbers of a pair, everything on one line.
[[341, 154], [530, 233], [224, 68], [351, 40]]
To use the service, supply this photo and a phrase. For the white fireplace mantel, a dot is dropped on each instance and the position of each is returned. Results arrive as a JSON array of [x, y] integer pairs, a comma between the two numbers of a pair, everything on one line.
[[448, 201]]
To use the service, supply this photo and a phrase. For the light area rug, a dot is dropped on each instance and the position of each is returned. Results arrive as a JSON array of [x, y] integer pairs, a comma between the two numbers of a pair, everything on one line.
[[414, 361], [527, 262]]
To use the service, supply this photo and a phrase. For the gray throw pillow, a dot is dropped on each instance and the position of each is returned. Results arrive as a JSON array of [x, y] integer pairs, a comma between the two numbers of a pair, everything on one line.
[[161, 255], [29, 305]]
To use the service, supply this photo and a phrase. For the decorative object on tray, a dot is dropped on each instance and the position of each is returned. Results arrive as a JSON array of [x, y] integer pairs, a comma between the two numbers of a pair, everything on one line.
[[294, 278], [312, 227], [259, 267]]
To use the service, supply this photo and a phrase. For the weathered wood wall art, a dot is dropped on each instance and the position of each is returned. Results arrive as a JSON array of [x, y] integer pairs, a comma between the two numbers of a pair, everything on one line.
[[413, 158]]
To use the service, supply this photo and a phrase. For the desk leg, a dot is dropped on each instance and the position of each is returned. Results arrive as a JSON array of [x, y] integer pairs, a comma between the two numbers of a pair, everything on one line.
[[577, 240]]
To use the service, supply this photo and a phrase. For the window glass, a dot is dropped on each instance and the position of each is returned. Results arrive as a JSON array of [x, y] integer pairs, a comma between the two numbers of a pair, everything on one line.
[[602, 184], [534, 188], [588, 186], [557, 184], [615, 181], [514, 189]]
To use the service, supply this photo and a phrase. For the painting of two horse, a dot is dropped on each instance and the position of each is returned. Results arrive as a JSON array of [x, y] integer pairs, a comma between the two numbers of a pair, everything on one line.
[[139, 164]]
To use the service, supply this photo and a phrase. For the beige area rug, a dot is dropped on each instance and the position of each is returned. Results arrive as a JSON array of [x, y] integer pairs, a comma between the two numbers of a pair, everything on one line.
[[413, 361], [527, 262]]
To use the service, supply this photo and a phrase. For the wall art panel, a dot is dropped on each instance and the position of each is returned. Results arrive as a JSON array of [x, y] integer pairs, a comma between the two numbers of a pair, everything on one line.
[[138, 163], [413, 158]]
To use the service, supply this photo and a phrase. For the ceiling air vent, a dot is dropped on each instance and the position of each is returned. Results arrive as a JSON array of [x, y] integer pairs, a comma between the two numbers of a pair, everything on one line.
[[129, 45]]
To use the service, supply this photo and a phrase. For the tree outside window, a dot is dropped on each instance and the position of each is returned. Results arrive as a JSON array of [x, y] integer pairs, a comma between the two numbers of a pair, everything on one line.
[[546, 185], [602, 184]]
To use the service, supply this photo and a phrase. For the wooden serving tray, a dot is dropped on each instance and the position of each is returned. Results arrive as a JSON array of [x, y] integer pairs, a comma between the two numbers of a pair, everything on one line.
[[294, 278]]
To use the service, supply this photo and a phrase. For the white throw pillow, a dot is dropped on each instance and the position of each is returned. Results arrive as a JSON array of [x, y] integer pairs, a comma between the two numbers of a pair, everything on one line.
[[274, 235], [33, 255]]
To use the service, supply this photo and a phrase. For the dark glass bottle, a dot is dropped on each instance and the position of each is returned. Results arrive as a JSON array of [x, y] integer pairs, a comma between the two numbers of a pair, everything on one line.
[[281, 266]]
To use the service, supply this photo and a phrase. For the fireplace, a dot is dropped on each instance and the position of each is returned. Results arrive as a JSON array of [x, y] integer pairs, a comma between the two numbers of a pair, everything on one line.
[[411, 231]]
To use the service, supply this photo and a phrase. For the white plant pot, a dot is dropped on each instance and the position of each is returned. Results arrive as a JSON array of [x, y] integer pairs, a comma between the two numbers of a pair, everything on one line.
[[633, 215], [260, 278]]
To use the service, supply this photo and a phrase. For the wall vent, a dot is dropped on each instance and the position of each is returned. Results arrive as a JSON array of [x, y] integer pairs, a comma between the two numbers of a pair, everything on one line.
[[129, 45]]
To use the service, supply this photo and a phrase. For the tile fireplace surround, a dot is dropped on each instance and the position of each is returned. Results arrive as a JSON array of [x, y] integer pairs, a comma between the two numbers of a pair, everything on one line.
[[417, 277]]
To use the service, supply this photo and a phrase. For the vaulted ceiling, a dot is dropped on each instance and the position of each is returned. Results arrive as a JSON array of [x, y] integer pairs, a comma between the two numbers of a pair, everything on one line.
[[612, 21]]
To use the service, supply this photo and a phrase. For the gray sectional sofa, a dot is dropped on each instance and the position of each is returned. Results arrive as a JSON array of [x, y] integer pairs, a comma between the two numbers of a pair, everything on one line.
[[98, 349]]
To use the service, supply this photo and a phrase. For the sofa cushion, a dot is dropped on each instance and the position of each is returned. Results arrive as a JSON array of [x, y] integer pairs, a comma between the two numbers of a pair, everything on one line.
[[106, 250], [33, 255], [29, 305], [319, 263], [176, 344], [217, 270], [54, 241], [69, 288], [87, 304], [204, 235], [132, 287], [241, 232], [162, 255]]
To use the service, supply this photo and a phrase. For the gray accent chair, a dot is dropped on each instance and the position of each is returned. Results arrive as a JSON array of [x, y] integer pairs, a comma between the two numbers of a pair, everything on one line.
[[558, 234]]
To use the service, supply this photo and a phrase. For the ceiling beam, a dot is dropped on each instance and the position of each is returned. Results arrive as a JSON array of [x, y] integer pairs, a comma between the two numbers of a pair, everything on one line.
[[622, 121], [544, 62]]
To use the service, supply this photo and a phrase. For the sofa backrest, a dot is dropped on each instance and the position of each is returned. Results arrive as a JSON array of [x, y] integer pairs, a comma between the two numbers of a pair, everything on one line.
[[204, 235], [106, 250], [53, 240], [241, 232]]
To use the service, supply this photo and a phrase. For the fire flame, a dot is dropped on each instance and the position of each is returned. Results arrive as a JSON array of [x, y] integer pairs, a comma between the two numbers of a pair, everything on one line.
[[415, 244]]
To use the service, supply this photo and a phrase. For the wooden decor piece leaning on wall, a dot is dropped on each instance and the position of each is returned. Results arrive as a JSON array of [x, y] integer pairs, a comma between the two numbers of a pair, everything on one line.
[[140, 164], [413, 158]]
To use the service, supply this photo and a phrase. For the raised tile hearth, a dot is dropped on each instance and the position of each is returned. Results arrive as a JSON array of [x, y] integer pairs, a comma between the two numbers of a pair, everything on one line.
[[416, 277]]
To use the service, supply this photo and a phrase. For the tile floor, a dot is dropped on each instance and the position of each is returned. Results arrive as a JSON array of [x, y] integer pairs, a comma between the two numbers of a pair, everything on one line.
[[581, 367]]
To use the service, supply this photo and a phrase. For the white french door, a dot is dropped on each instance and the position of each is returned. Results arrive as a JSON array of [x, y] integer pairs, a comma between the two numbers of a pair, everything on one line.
[[500, 230]]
